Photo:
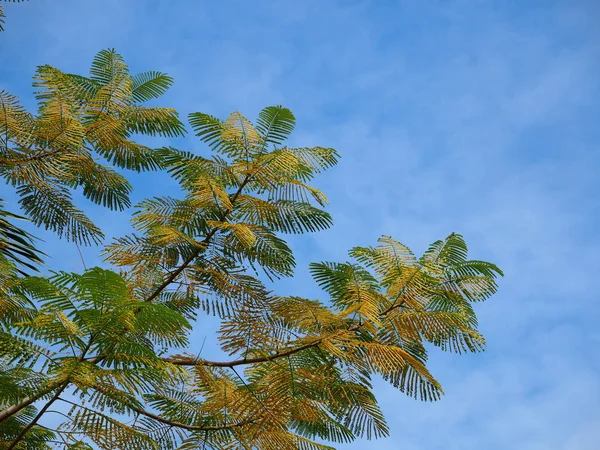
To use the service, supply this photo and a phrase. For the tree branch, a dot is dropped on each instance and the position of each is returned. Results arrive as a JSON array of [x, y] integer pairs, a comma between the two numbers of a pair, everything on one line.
[[5, 414], [188, 361], [394, 306], [173, 275], [171, 422], [36, 418], [61, 385], [186, 426]]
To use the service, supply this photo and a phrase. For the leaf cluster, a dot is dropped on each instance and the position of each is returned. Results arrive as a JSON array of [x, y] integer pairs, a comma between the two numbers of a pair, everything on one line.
[[80, 121]]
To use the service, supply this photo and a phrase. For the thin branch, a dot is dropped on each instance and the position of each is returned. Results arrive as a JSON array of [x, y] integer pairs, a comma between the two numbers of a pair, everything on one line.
[[36, 418], [61, 385], [5, 414], [173, 275], [39, 156], [186, 426], [188, 361], [254, 395], [171, 423], [196, 252], [184, 361], [81, 256]]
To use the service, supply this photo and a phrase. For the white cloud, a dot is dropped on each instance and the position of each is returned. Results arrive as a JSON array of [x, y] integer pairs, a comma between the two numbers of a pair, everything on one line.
[[472, 117]]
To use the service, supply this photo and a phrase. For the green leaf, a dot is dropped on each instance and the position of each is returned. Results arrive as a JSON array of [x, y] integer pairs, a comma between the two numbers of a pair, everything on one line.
[[275, 124], [106, 66], [149, 85], [16, 244]]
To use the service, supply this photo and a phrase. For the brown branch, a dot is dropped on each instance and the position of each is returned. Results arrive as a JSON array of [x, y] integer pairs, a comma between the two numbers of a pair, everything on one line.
[[186, 426], [36, 418], [185, 361], [173, 275], [401, 304], [42, 155], [188, 361], [170, 422], [61, 385], [205, 241], [5, 414], [394, 306]]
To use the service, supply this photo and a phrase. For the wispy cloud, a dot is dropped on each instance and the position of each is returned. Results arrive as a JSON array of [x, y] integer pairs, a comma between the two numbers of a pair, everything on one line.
[[472, 116]]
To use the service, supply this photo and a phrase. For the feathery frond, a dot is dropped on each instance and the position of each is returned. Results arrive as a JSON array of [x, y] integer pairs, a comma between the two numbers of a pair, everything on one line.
[[49, 154], [16, 244]]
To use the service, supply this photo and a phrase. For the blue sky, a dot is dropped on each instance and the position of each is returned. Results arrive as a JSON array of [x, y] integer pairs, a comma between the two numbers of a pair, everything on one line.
[[479, 117]]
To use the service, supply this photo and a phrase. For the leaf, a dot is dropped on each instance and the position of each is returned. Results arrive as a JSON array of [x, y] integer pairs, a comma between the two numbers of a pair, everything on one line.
[[101, 184], [16, 244], [15, 122], [154, 121], [210, 130], [236, 137], [106, 66], [2, 16], [207, 190], [241, 231], [53, 208], [282, 215], [149, 85], [275, 124], [403, 371]]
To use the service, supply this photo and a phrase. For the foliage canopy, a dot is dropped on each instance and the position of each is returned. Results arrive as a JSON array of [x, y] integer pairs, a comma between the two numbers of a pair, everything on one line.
[[113, 346]]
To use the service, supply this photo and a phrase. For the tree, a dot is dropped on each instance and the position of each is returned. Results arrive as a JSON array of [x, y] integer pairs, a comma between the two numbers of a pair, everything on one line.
[[111, 347]]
